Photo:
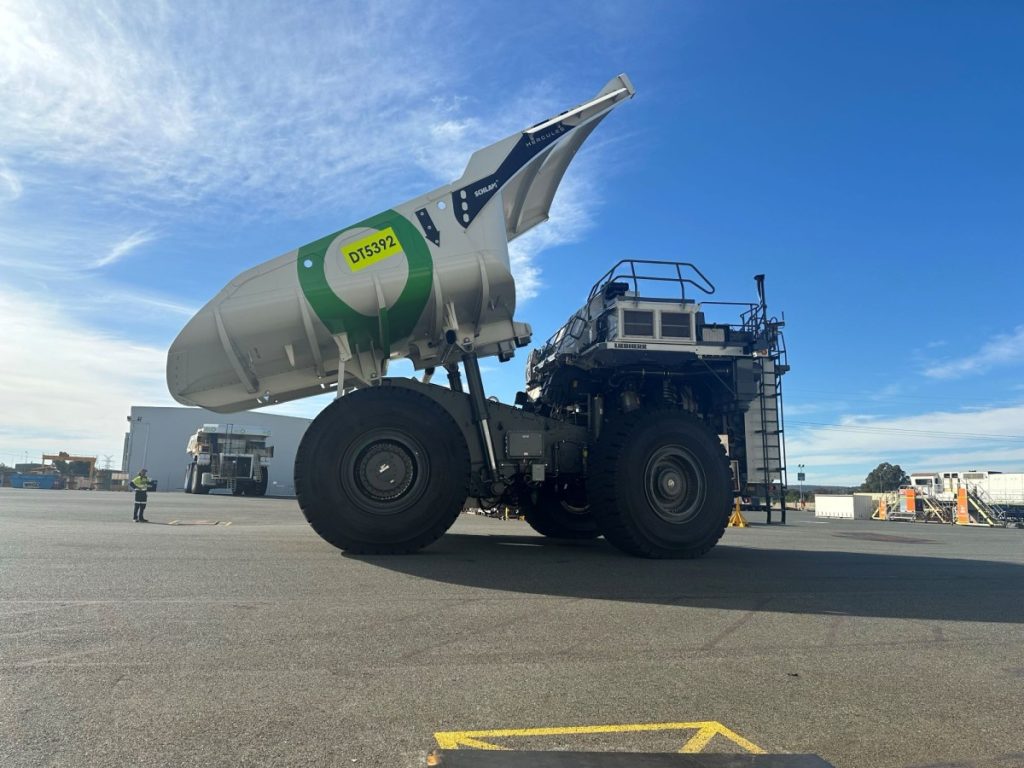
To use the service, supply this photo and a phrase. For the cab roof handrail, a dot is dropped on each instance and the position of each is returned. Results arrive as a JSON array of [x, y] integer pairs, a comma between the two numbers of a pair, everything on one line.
[[705, 285]]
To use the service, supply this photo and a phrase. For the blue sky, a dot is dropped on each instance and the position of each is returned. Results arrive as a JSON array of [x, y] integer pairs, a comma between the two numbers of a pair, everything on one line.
[[866, 156]]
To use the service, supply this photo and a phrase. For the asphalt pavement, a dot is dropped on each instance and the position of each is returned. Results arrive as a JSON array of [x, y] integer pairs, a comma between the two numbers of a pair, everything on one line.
[[227, 633]]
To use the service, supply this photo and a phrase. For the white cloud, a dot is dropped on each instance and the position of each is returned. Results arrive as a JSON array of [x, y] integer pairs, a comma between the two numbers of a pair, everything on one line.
[[294, 113], [59, 258], [67, 386], [10, 184], [919, 443], [123, 247], [1009, 457], [255, 107], [570, 219], [165, 107], [119, 114], [102, 300], [1004, 349], [805, 408]]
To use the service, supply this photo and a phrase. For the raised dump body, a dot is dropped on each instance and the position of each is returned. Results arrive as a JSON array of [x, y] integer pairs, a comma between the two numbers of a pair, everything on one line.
[[428, 279]]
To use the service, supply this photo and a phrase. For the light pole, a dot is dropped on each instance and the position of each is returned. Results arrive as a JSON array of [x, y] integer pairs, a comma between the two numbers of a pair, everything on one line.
[[800, 479]]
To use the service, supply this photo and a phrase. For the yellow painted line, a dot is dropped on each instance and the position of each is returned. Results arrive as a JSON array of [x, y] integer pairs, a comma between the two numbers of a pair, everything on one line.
[[706, 731], [173, 522], [739, 741], [699, 740]]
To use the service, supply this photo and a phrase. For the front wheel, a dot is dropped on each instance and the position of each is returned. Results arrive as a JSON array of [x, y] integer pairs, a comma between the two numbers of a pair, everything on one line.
[[659, 485], [560, 511], [383, 470], [197, 480], [259, 487]]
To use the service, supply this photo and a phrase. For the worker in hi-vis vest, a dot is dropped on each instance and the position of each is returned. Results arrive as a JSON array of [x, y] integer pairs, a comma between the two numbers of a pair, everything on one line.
[[141, 484]]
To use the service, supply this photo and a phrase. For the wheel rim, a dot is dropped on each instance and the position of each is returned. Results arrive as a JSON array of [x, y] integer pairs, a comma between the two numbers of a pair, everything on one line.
[[576, 511], [674, 484], [572, 499], [387, 472]]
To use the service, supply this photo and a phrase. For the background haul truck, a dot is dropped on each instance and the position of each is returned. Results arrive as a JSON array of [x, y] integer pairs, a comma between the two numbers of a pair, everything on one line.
[[629, 411], [226, 456]]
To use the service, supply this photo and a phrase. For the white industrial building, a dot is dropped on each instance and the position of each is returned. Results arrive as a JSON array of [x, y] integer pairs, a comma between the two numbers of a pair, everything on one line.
[[157, 437]]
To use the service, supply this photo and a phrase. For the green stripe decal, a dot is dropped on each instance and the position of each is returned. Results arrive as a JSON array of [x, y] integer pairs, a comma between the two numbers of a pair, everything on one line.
[[396, 322]]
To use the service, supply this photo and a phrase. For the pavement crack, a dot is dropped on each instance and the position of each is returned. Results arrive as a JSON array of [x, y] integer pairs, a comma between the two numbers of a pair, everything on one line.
[[737, 624]]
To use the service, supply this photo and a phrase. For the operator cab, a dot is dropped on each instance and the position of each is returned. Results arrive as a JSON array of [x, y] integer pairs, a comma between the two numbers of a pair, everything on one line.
[[641, 306]]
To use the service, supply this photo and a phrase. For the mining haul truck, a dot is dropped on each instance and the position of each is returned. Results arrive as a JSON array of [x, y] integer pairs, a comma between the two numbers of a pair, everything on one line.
[[227, 456], [641, 420]]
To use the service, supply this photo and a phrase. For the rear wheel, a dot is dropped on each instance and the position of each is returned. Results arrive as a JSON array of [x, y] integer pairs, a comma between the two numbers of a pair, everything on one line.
[[660, 485], [382, 470], [560, 511]]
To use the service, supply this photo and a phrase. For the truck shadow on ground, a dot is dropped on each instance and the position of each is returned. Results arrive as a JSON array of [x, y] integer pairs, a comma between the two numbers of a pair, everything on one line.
[[885, 584]]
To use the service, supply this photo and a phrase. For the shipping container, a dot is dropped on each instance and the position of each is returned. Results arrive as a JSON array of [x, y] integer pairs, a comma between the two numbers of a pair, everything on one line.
[[46, 482], [844, 507]]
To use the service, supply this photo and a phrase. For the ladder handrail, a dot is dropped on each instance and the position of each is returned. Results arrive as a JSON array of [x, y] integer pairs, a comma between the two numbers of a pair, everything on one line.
[[991, 511]]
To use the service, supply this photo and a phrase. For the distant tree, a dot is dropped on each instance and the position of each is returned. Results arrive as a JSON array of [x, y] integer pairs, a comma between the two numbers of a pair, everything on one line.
[[884, 477]]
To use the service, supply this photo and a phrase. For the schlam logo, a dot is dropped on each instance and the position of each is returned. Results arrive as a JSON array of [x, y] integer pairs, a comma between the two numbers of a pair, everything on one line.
[[471, 199], [484, 190]]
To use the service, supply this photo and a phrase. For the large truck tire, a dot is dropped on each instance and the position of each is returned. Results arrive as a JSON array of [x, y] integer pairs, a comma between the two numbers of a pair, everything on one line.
[[259, 488], [560, 511], [382, 471], [197, 480], [659, 484], [252, 487]]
